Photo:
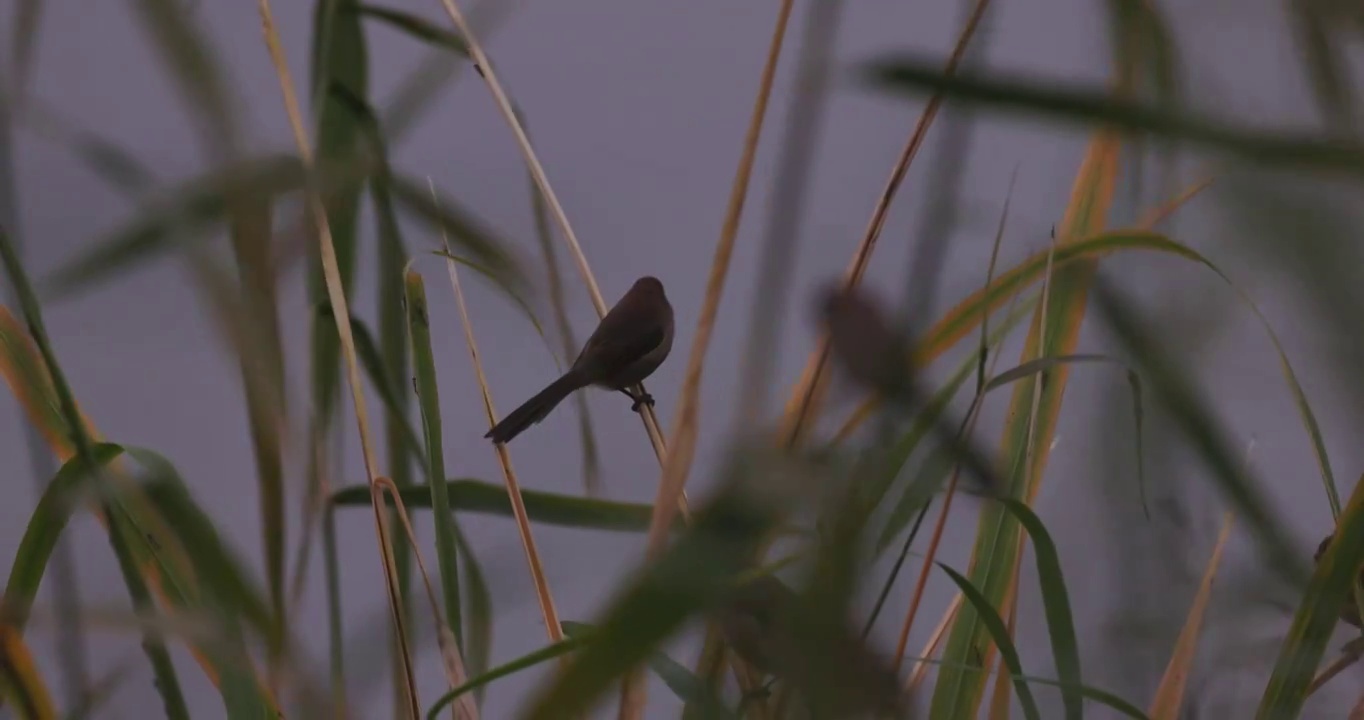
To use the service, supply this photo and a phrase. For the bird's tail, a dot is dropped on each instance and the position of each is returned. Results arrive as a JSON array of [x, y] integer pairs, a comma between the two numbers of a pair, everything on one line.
[[535, 409]]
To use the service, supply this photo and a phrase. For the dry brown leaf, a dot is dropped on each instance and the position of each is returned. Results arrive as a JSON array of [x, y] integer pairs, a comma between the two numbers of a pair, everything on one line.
[[1170, 693]]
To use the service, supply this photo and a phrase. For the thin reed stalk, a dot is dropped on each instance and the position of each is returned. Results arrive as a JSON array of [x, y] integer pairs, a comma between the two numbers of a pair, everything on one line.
[[341, 312], [803, 406], [537, 172], [537, 572], [455, 671]]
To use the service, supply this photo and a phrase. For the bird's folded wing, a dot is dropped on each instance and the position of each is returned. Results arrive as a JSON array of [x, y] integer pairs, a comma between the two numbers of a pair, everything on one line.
[[616, 352], [627, 333]]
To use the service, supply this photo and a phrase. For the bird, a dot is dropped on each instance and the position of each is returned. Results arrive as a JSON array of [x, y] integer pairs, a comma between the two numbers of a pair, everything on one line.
[[874, 354], [628, 345], [864, 341]]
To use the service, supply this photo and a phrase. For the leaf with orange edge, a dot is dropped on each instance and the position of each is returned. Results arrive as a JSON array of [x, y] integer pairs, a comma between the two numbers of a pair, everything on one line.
[[163, 563], [1000, 703], [961, 320], [27, 378], [1170, 693], [20, 681], [1033, 413], [967, 314], [45, 526]]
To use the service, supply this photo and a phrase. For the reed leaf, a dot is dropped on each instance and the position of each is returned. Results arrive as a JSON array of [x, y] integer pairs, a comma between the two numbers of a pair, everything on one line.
[[424, 366], [913, 76], [20, 681], [184, 214], [415, 26], [1317, 615], [1056, 607], [477, 496], [1169, 697], [687, 577], [1033, 413], [153, 549], [994, 624], [45, 526], [167, 682]]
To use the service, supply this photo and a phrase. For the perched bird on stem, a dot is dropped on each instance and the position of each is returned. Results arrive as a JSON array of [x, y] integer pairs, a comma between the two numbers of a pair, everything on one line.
[[628, 346]]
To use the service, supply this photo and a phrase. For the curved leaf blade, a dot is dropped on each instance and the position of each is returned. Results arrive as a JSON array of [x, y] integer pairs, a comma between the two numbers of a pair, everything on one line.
[[1206, 434], [228, 584], [995, 625], [20, 680], [45, 527], [508, 290], [1056, 606], [1102, 697], [919, 490], [966, 315], [168, 684], [549, 652], [415, 26], [483, 246]]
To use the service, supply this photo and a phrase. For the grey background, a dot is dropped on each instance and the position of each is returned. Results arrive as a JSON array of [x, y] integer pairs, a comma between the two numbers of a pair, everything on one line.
[[638, 111]]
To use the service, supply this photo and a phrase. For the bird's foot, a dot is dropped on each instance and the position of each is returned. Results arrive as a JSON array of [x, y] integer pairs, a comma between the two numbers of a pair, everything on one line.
[[641, 400]]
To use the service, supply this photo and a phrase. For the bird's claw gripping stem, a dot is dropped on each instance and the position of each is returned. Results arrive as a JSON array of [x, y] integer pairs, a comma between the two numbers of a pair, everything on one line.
[[640, 400]]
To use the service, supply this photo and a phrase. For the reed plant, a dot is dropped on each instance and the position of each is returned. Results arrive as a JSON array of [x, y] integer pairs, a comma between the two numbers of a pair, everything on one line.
[[834, 493]]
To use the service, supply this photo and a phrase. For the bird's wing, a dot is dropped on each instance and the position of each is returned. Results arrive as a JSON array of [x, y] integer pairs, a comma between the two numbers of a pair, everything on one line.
[[627, 333]]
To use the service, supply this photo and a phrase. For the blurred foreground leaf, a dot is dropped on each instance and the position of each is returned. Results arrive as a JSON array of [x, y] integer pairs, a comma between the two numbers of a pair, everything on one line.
[[916, 494], [20, 681], [185, 213], [684, 684], [914, 76], [1192, 417], [339, 59], [690, 576]]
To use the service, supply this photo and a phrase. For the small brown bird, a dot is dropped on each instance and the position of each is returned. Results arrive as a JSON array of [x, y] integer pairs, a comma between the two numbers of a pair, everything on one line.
[[628, 346], [864, 341]]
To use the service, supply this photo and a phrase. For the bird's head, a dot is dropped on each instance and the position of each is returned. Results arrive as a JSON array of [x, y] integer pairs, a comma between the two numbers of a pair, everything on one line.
[[837, 304], [649, 284]]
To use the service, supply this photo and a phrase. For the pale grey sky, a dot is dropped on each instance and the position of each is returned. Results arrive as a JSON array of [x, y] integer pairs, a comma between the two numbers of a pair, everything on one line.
[[638, 111]]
